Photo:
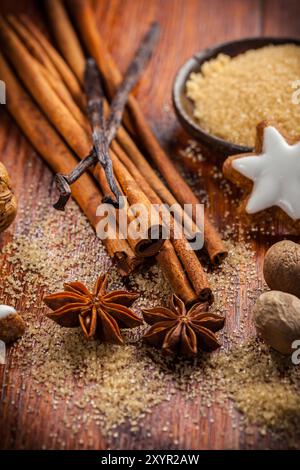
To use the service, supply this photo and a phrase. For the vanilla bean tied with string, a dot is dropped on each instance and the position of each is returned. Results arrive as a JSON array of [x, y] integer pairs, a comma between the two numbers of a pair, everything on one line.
[[104, 132], [178, 330], [99, 313]]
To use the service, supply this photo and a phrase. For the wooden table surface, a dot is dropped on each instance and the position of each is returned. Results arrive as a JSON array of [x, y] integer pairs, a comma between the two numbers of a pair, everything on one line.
[[187, 26]]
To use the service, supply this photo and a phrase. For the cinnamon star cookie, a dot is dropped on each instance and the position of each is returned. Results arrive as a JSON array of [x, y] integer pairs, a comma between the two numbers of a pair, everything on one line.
[[270, 176]]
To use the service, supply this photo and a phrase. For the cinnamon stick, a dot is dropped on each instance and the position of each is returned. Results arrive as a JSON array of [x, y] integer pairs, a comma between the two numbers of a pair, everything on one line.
[[43, 93], [101, 178], [48, 143], [172, 268], [91, 36], [48, 70], [32, 45], [68, 77], [151, 242], [70, 47], [63, 93]]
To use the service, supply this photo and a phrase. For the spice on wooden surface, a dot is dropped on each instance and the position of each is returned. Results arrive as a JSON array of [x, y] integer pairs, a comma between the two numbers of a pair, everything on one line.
[[12, 325], [98, 312], [8, 201], [282, 267], [232, 95], [182, 331], [277, 319]]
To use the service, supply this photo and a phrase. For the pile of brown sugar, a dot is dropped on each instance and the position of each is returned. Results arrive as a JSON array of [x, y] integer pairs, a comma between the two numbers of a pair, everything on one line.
[[232, 95]]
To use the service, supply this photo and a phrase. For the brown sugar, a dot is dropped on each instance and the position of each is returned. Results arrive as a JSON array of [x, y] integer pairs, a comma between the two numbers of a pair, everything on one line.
[[232, 95]]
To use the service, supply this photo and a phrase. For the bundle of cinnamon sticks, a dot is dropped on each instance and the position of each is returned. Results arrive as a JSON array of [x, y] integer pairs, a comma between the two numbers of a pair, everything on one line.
[[46, 98]]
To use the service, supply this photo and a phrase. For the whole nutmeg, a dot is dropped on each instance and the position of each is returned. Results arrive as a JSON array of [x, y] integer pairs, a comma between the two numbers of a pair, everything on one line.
[[282, 267], [12, 325], [277, 319], [8, 202]]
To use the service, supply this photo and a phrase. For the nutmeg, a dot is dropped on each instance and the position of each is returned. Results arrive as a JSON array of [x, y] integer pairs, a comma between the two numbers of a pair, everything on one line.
[[8, 202], [277, 319], [282, 267], [12, 325]]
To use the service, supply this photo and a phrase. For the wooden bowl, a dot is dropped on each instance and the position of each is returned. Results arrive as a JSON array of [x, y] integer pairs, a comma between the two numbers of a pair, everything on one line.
[[184, 106]]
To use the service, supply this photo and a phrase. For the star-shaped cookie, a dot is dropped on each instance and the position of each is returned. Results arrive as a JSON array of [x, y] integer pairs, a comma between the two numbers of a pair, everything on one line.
[[270, 176]]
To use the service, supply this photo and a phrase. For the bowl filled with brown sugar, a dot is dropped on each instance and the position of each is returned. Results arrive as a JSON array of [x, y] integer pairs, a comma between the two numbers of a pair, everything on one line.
[[222, 93]]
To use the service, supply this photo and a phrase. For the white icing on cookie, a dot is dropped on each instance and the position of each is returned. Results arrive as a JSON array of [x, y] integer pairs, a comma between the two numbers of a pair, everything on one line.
[[5, 311], [275, 174]]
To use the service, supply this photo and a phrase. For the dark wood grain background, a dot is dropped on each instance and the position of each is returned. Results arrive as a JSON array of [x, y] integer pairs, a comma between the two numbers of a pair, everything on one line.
[[187, 27]]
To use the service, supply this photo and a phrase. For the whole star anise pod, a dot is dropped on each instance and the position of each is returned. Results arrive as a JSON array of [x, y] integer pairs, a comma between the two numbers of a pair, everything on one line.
[[178, 330], [99, 313]]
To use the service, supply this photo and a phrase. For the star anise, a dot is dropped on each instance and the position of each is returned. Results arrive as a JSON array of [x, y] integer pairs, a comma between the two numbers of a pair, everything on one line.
[[99, 313], [178, 330]]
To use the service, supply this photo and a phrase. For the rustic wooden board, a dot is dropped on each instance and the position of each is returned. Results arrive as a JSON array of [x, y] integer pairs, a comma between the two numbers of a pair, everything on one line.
[[187, 26]]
